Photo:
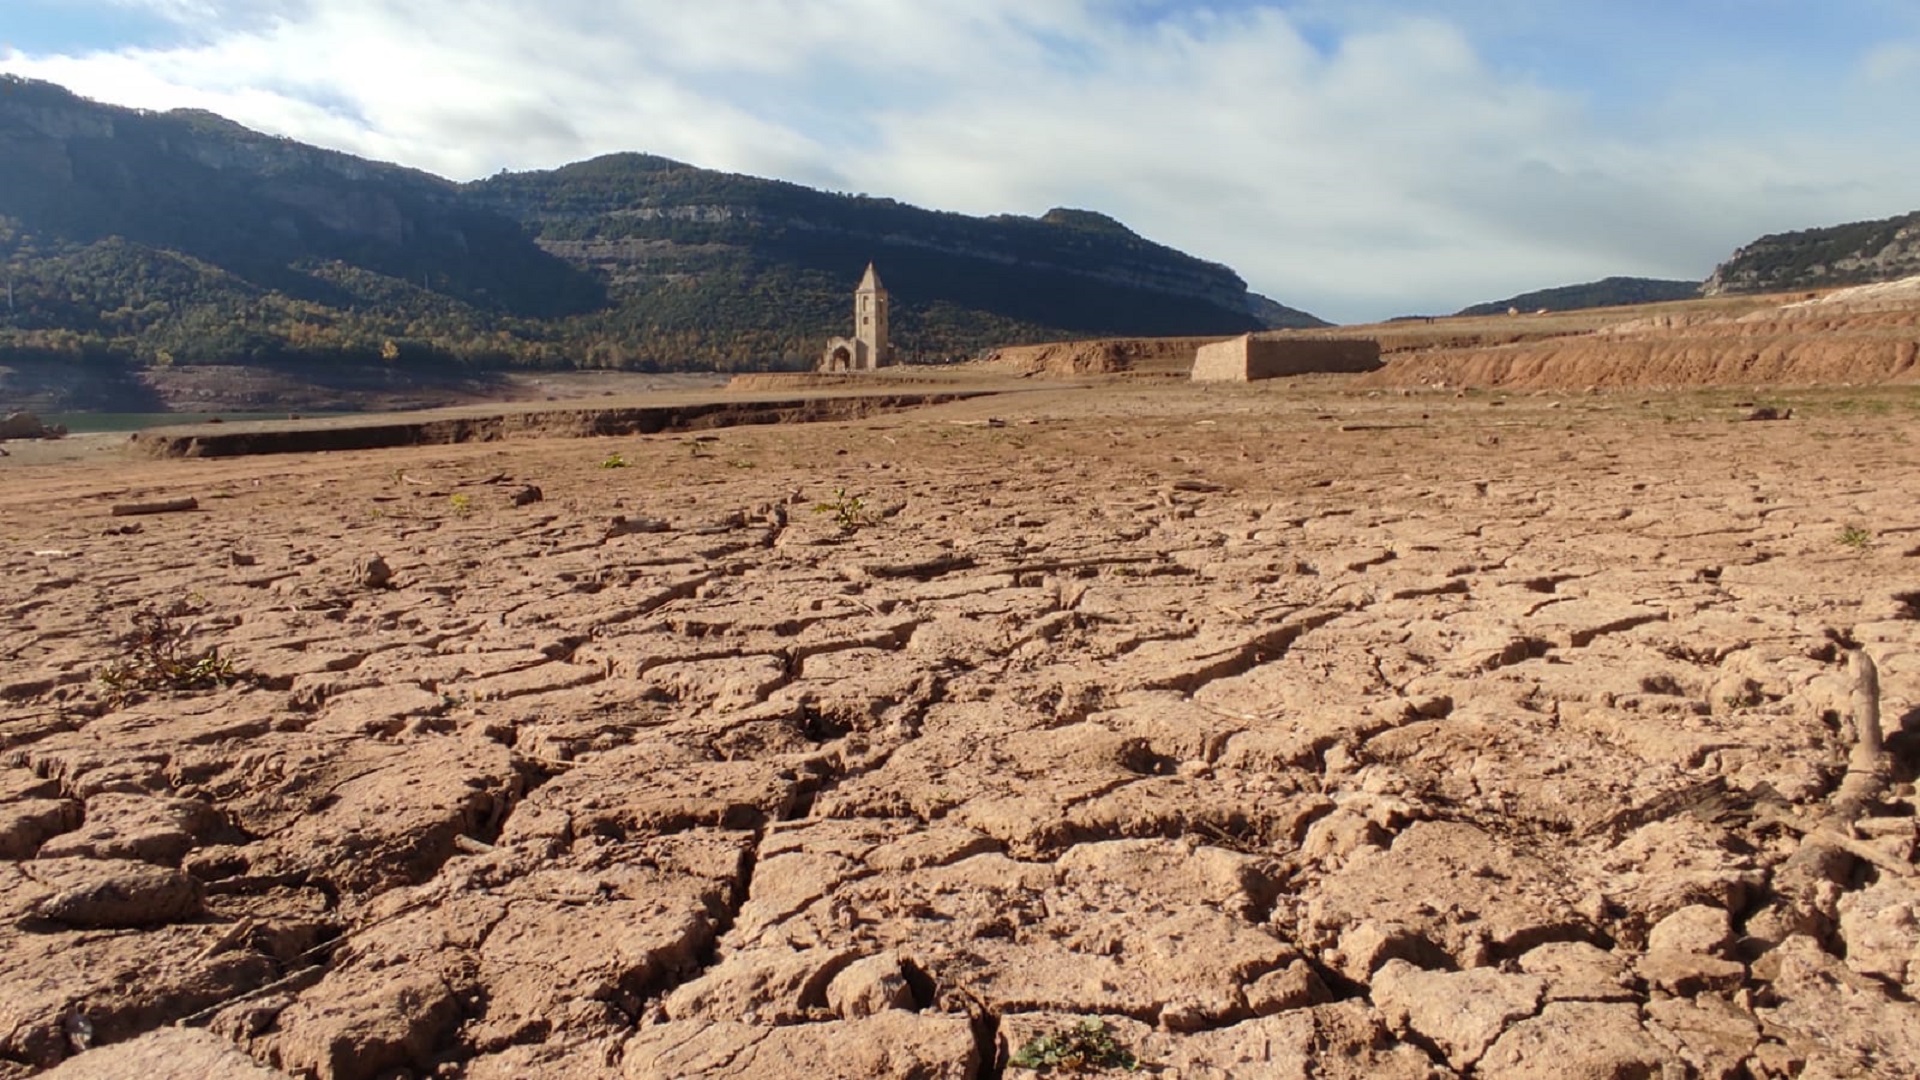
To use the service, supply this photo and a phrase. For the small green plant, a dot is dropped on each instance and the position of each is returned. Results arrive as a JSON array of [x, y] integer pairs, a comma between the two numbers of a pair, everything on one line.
[[156, 659], [1082, 1048], [1747, 695], [1855, 537], [849, 511], [615, 460], [461, 502]]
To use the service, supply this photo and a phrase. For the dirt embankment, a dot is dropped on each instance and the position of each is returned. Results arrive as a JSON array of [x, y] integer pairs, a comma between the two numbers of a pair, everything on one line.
[[1249, 732], [1100, 356], [904, 377], [1853, 336], [1869, 334], [449, 427]]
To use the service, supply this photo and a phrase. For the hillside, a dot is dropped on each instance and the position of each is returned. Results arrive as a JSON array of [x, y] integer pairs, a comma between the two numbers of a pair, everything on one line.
[[1274, 315], [1608, 292], [144, 239], [1856, 336], [775, 260], [1858, 253]]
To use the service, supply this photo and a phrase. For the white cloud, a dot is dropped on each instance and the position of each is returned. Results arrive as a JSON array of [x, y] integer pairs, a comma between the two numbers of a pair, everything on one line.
[[1892, 64], [1396, 169]]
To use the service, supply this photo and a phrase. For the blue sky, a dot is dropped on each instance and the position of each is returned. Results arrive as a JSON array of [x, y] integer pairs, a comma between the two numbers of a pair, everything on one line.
[[40, 27], [1356, 158]]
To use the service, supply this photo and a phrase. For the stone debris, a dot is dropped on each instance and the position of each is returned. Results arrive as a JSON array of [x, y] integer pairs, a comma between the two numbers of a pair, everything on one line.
[[1452, 757], [372, 572]]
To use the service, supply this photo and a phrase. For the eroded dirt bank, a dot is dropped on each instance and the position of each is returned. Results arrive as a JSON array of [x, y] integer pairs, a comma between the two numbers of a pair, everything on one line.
[[481, 424], [1864, 335], [1099, 356], [1289, 734]]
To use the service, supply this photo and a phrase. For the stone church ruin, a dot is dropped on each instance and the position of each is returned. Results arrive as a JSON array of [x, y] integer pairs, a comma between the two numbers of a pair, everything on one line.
[[868, 348], [1250, 357]]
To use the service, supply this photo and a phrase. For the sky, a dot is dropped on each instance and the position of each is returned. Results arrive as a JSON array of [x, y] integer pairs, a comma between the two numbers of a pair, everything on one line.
[[1357, 159]]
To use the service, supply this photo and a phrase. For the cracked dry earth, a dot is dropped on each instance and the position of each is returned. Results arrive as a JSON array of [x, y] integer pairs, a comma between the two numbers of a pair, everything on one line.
[[1288, 733]]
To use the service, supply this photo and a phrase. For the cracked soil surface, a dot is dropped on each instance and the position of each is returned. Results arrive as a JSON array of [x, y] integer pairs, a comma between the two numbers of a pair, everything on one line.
[[1286, 731]]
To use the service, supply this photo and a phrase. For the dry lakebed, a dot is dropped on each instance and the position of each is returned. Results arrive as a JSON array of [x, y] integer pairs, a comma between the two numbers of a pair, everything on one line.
[[1271, 731]]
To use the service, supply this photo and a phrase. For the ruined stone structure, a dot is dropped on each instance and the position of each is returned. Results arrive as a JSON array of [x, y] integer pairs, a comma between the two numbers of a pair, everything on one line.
[[868, 348], [1249, 357]]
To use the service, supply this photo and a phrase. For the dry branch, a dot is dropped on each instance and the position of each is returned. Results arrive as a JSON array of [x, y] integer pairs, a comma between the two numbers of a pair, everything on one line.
[[1868, 774], [170, 506], [1867, 767]]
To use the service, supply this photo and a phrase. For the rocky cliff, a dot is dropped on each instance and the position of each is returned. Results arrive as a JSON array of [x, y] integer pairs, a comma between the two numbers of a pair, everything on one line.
[[73, 172], [1852, 254]]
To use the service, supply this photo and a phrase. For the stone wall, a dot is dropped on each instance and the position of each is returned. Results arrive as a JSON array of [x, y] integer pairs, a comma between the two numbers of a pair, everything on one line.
[[1247, 357]]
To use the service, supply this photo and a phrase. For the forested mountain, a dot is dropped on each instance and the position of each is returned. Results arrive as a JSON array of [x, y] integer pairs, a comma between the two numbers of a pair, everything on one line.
[[688, 250], [1854, 254], [156, 238], [1609, 292]]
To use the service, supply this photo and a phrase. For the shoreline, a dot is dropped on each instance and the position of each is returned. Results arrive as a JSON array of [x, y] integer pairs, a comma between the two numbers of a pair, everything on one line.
[[443, 427], [661, 410], [86, 446]]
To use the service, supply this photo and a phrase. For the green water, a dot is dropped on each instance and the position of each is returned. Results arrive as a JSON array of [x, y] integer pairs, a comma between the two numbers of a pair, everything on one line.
[[94, 423]]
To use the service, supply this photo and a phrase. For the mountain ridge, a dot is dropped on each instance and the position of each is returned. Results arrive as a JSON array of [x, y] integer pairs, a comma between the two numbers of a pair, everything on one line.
[[1854, 253], [147, 238], [1607, 292]]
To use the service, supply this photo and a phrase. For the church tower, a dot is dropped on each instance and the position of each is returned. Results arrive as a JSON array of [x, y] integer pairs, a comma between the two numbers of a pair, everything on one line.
[[868, 348], [870, 321]]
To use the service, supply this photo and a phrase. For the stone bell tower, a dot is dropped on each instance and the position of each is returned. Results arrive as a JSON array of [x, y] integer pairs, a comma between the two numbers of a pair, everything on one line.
[[868, 348], [870, 321]]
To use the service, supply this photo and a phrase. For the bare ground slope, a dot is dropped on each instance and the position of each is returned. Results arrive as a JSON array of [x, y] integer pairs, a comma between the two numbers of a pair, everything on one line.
[[1099, 356], [1289, 734], [1868, 334]]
